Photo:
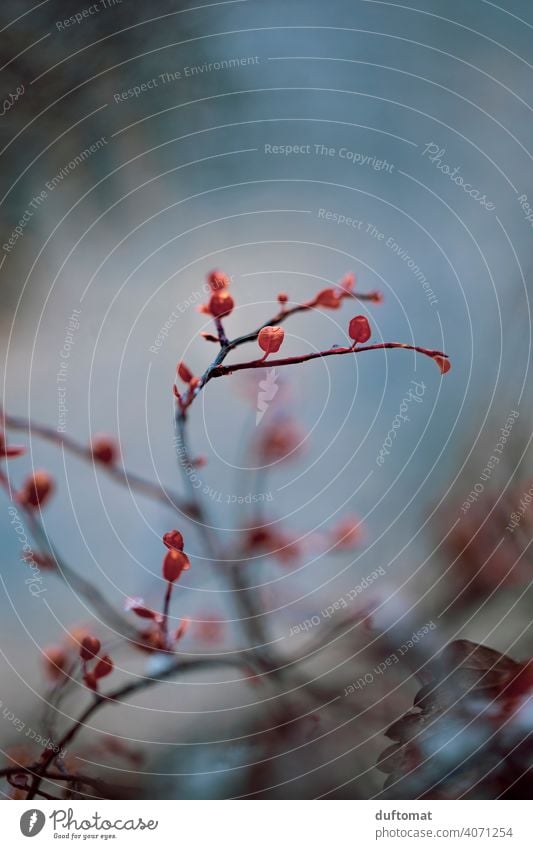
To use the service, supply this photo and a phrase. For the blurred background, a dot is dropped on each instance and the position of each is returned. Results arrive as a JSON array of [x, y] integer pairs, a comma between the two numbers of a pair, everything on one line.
[[289, 144]]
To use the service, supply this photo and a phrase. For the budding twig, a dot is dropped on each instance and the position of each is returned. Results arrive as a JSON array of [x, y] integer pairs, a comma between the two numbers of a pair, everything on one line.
[[220, 370], [115, 471]]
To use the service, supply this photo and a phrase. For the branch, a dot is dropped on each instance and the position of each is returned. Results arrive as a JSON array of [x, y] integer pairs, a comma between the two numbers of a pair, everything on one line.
[[40, 769], [118, 473], [220, 370], [227, 346], [284, 314], [216, 369]]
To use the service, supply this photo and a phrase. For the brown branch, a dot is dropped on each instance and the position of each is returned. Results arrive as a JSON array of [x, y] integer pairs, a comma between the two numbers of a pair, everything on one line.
[[116, 472], [220, 370], [279, 318], [284, 314]]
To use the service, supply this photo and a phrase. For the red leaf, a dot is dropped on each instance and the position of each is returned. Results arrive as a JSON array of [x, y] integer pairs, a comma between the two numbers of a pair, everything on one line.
[[184, 372], [103, 667], [359, 329], [173, 539], [90, 646], [270, 339]]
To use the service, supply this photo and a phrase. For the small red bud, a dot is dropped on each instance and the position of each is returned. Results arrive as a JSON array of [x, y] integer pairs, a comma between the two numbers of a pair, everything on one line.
[[283, 298], [103, 667], [104, 449], [173, 539], [359, 329], [199, 462], [221, 304], [43, 561], [184, 372], [36, 489], [218, 280], [270, 339], [174, 564], [89, 648], [137, 606]]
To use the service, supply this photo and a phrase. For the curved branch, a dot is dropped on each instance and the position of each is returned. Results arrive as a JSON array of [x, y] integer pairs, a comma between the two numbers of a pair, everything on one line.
[[118, 473], [220, 370]]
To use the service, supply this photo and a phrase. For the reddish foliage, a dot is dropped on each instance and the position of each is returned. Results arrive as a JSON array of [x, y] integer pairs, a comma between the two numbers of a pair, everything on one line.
[[359, 329], [174, 563], [218, 280], [220, 304], [328, 298], [174, 539], [278, 439], [184, 372], [469, 733], [89, 648], [104, 449], [270, 339], [36, 490]]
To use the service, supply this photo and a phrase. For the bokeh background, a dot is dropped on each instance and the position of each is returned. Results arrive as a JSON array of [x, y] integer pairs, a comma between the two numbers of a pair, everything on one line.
[[182, 179]]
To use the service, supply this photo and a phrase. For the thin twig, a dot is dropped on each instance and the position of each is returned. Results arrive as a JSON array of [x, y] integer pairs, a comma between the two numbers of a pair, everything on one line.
[[220, 370]]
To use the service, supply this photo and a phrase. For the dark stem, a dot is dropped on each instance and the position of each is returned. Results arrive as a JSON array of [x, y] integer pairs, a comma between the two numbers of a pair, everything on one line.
[[166, 607], [223, 339]]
